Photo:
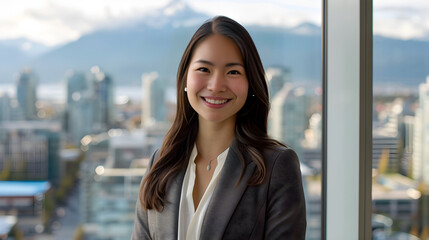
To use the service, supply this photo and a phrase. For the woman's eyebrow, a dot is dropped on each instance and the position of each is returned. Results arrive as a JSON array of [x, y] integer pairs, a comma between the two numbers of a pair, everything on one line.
[[212, 64], [205, 62], [233, 64]]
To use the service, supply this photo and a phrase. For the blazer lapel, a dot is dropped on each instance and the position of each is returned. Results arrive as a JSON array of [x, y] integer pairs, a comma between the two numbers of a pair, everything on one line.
[[165, 223], [226, 195]]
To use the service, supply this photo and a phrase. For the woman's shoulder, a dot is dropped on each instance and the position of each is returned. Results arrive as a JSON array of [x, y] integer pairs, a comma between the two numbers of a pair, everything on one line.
[[153, 158], [283, 169], [280, 151], [281, 157]]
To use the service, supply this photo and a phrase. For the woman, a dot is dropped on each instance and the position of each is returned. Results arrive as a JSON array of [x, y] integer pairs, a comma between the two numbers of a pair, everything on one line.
[[218, 175]]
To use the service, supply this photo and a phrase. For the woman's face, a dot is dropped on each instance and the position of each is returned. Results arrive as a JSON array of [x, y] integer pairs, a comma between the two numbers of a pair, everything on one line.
[[217, 84]]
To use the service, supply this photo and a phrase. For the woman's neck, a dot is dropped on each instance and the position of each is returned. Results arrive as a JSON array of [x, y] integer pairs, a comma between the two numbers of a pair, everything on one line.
[[214, 138]]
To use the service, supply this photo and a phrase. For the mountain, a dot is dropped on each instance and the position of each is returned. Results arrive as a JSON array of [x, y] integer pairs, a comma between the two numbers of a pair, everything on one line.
[[10, 59], [14, 54], [26, 47], [155, 42], [400, 61], [127, 53]]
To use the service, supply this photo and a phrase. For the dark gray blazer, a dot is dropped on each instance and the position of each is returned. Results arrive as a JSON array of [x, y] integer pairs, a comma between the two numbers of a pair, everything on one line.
[[273, 210]]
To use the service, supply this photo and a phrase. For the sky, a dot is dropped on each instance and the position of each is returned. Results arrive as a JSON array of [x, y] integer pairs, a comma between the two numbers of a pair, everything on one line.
[[55, 22]]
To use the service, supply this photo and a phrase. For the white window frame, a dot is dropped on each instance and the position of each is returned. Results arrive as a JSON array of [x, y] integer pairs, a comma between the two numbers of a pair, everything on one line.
[[347, 131]]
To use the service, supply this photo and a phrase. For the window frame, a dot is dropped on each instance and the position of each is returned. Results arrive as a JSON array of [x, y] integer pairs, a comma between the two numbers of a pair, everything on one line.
[[347, 119]]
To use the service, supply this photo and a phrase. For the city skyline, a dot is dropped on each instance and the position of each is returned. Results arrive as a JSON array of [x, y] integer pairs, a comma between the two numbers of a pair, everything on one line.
[[101, 160]]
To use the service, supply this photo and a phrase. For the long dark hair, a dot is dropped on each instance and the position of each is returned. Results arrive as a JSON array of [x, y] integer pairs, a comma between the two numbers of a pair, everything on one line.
[[251, 124]]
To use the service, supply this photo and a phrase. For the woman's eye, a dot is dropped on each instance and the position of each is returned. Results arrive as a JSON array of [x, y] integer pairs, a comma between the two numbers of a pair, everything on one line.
[[234, 72], [203, 69]]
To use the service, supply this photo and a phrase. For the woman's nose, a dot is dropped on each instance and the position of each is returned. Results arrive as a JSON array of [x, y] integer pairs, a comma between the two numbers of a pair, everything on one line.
[[217, 83]]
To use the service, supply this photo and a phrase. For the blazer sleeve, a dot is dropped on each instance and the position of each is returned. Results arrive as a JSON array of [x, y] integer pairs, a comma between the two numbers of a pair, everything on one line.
[[141, 225], [286, 216]]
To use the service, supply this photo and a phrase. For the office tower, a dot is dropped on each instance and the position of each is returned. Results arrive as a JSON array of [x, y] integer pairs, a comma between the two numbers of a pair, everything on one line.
[[313, 134], [313, 203], [110, 179], [9, 109], [409, 122], [277, 77], [387, 138], [396, 196], [81, 117], [76, 82], [290, 111], [90, 104], [153, 106], [25, 202], [385, 155], [80, 107], [421, 136], [311, 154], [5, 107], [29, 150], [96, 153], [407, 156], [104, 108], [26, 93]]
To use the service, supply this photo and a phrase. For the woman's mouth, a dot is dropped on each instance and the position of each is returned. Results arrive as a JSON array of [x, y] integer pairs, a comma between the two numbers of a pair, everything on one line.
[[216, 101]]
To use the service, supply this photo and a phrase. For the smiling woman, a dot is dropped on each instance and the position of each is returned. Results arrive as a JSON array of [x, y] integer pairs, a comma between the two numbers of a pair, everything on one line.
[[217, 85], [217, 163]]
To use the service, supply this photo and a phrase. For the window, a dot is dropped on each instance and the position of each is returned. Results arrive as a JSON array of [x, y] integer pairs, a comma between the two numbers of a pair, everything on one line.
[[100, 95], [400, 117]]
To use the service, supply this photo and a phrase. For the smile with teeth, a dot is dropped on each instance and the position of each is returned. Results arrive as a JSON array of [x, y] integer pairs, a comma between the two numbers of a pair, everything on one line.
[[215, 101]]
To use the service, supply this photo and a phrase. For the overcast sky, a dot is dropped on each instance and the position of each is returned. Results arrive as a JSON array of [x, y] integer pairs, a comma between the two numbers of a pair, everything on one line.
[[53, 22]]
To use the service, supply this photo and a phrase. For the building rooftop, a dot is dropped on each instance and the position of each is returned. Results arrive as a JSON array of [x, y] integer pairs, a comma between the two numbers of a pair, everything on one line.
[[23, 188], [119, 172], [394, 187], [70, 154], [31, 125]]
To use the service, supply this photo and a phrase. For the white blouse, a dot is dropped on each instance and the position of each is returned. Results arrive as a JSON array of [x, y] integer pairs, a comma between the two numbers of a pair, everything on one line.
[[190, 221]]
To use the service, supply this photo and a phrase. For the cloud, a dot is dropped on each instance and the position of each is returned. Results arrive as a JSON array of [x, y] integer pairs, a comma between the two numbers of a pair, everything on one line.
[[56, 22], [402, 19], [273, 13]]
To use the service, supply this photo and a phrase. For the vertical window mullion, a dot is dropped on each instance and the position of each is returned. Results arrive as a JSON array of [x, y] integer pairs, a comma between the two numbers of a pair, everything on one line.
[[347, 82]]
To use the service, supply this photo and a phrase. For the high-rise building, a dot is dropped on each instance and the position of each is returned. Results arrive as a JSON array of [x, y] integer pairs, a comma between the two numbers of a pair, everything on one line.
[[24, 201], [153, 106], [80, 116], [387, 136], [104, 108], [76, 82], [313, 134], [96, 153], [396, 196], [110, 178], [421, 135], [9, 109], [313, 203], [311, 153], [80, 107], [385, 155], [277, 77], [30, 150], [289, 115], [26, 93], [90, 104], [406, 160], [4, 107]]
